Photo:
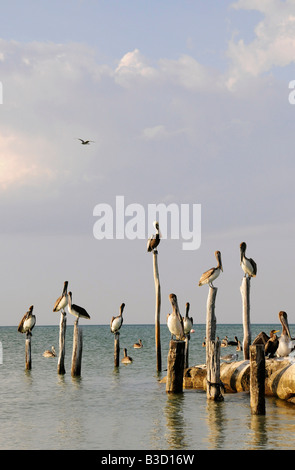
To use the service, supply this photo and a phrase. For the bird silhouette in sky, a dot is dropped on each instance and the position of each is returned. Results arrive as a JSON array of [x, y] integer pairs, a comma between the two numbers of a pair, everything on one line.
[[85, 142]]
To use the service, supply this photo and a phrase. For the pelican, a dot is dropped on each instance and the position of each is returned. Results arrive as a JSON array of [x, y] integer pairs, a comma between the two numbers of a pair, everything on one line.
[[154, 240], [248, 264], [85, 142], [285, 344], [233, 343], [272, 344], [209, 276], [224, 342], [75, 310], [62, 301], [28, 321], [126, 359], [174, 319], [50, 352], [239, 346], [116, 322], [138, 345], [187, 321]]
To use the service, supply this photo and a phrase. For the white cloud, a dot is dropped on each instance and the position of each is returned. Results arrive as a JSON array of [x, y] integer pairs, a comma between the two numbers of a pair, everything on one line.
[[273, 45]]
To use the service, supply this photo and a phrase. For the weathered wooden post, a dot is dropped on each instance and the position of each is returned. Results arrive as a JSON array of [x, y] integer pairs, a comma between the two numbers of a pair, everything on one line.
[[62, 342], [117, 349], [212, 350], [175, 367], [28, 351], [257, 379], [77, 350], [157, 311], [245, 293], [186, 351]]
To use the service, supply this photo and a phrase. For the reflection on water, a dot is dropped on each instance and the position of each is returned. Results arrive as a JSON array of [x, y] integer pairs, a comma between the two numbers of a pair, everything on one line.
[[216, 421], [175, 424]]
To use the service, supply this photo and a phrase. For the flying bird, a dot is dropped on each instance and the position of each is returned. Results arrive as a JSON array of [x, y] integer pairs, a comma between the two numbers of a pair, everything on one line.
[[209, 276], [85, 142], [248, 264], [154, 240], [28, 321]]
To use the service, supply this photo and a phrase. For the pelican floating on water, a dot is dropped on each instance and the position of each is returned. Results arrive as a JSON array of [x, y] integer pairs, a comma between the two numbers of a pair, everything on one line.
[[126, 359], [233, 343], [75, 310], [116, 322], [272, 344], [62, 301], [50, 352], [187, 321], [28, 322], [248, 264], [224, 342], [138, 345], [155, 239], [285, 345], [209, 276], [174, 319], [85, 142]]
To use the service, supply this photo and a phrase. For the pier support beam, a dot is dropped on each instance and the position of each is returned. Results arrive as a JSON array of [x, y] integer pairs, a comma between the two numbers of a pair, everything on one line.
[[62, 344], [77, 351], [245, 293], [175, 367], [257, 379]]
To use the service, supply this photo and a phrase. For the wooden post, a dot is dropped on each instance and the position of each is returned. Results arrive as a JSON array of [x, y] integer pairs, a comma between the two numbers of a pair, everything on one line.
[[157, 311], [212, 350], [186, 351], [62, 342], [257, 379], [77, 351], [175, 363], [28, 351], [117, 350], [245, 293]]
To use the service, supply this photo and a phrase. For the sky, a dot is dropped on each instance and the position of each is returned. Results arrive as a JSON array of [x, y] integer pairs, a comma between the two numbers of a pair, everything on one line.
[[187, 103]]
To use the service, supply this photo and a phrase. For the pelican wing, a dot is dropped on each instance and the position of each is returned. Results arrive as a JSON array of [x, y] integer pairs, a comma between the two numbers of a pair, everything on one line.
[[205, 276], [55, 308], [21, 323], [254, 265]]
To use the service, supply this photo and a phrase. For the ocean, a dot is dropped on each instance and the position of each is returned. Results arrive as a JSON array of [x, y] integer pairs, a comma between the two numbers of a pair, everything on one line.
[[126, 407]]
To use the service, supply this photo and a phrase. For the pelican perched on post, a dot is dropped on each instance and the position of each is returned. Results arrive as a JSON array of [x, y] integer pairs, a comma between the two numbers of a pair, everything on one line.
[[50, 352], [285, 344], [187, 321], [174, 320], [117, 322], [75, 310], [155, 239], [62, 301], [209, 276], [28, 322], [248, 264]]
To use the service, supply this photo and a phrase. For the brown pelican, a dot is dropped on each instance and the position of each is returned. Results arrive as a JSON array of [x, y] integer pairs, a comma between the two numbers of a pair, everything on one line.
[[233, 343], [187, 321], [209, 276], [239, 346], [154, 240], [62, 301], [174, 319], [248, 264], [126, 359], [116, 322], [272, 344], [224, 342], [138, 345], [285, 344], [28, 321], [50, 352], [75, 310], [85, 142]]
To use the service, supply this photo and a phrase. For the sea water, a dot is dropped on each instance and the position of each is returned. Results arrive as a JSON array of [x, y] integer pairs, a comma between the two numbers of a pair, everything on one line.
[[126, 407]]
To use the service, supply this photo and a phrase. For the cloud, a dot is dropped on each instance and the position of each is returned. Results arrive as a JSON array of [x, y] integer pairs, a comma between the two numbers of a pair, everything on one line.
[[274, 42]]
